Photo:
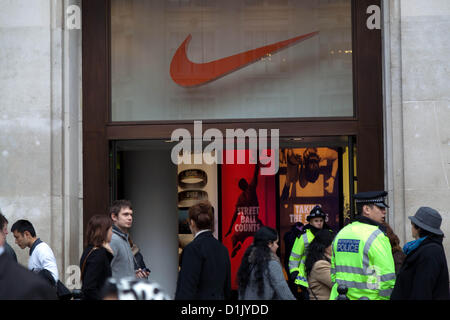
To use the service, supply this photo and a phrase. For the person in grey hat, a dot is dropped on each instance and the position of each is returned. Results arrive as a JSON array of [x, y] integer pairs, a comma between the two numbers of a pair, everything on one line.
[[424, 273]]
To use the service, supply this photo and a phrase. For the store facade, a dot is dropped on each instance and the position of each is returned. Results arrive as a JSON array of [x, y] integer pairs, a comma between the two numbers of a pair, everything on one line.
[[311, 71], [64, 72]]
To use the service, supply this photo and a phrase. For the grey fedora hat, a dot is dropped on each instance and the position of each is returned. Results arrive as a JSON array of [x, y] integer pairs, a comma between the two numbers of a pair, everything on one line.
[[428, 219]]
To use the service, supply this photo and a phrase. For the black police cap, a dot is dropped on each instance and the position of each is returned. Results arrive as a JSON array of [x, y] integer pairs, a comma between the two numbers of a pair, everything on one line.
[[372, 197], [316, 212]]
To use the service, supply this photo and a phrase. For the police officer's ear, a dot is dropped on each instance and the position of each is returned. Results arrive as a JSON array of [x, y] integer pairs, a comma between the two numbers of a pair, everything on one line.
[[365, 210]]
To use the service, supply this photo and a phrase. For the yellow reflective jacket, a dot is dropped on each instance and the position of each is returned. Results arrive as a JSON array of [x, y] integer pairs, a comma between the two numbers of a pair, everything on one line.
[[298, 257], [362, 261]]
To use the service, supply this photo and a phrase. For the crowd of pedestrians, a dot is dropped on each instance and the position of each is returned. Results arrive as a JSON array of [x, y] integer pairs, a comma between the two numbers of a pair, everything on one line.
[[111, 265], [363, 261]]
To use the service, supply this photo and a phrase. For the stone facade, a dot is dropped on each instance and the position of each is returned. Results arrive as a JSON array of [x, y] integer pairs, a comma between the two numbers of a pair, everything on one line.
[[417, 110], [40, 125]]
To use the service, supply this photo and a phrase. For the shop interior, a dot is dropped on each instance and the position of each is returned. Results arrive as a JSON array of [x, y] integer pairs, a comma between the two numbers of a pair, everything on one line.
[[312, 171]]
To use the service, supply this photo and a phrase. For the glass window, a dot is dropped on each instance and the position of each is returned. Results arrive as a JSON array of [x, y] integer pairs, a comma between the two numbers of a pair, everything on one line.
[[235, 62]]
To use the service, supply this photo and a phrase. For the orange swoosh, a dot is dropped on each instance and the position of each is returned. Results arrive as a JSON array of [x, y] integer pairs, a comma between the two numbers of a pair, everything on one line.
[[188, 74]]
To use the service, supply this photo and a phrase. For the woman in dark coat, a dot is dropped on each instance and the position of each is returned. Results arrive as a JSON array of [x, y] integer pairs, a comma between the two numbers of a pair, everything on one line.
[[95, 262], [424, 273]]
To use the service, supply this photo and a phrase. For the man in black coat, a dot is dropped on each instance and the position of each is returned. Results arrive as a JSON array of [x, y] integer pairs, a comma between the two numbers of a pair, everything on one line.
[[18, 283], [205, 264], [424, 273]]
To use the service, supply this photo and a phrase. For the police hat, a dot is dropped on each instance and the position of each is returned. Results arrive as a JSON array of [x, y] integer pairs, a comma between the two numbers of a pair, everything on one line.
[[316, 212], [372, 197]]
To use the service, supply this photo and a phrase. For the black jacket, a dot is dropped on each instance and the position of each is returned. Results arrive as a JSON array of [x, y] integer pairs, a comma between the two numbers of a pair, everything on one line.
[[18, 283], [10, 251], [424, 273], [97, 269], [205, 270]]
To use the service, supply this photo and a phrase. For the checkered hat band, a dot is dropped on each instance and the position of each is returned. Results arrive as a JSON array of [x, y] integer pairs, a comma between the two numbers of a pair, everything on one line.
[[376, 200]]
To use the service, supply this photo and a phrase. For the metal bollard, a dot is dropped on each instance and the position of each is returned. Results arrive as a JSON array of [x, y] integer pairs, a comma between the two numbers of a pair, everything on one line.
[[342, 291]]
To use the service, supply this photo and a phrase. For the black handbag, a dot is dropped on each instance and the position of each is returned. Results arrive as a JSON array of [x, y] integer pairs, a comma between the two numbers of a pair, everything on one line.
[[62, 292]]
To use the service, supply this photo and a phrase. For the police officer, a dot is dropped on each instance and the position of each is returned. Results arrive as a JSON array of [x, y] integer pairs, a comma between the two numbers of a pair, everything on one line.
[[316, 219], [361, 253]]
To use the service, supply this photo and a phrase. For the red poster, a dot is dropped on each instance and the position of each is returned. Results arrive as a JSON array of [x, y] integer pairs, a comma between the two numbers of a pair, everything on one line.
[[248, 202]]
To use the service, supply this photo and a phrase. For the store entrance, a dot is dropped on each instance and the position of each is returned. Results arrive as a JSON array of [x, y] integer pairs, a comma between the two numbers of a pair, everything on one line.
[[315, 171], [143, 173], [312, 171]]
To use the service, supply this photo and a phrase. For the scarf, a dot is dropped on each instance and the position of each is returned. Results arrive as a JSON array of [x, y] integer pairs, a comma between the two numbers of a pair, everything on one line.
[[412, 245]]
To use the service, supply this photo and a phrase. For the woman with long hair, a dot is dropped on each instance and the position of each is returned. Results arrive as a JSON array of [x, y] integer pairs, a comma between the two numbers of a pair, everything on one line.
[[397, 252], [260, 276], [318, 265], [95, 262]]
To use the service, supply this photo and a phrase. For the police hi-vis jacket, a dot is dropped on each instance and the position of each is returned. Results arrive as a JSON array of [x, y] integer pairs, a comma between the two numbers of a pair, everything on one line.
[[362, 261], [298, 257]]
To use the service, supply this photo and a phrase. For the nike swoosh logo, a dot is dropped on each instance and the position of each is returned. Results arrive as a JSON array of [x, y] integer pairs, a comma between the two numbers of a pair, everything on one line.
[[189, 74]]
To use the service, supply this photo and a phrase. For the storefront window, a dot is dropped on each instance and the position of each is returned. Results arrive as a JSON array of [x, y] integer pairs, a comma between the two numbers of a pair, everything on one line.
[[240, 59]]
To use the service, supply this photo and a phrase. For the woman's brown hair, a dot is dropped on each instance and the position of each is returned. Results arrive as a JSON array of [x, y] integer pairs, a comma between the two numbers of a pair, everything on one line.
[[393, 239], [203, 215], [97, 230]]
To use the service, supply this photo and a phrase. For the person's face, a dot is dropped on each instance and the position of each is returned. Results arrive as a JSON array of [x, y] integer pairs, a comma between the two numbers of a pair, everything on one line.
[[375, 213], [124, 219], [22, 239], [273, 246], [414, 232], [317, 222], [3, 234], [2, 237], [109, 235]]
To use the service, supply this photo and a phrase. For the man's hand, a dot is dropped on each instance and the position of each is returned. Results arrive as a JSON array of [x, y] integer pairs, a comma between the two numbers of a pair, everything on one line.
[[142, 274]]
